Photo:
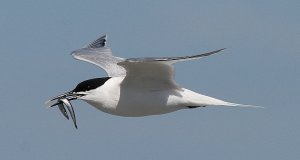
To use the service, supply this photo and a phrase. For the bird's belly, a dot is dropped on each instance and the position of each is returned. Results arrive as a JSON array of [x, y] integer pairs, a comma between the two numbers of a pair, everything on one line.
[[140, 103], [145, 108]]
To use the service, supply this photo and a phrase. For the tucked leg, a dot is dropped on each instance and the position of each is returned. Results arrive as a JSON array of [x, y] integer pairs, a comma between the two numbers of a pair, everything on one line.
[[195, 106]]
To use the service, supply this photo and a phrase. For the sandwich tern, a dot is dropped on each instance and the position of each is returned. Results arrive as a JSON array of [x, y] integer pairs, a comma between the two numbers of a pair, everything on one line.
[[134, 87]]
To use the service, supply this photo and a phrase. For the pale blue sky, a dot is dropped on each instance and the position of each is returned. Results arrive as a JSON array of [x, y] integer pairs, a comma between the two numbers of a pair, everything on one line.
[[260, 67]]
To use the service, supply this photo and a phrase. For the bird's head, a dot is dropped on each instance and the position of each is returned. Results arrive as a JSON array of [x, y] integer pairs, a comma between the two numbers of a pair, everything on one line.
[[82, 91]]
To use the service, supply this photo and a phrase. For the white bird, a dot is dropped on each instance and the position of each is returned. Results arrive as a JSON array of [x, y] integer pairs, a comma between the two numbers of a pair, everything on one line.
[[134, 86]]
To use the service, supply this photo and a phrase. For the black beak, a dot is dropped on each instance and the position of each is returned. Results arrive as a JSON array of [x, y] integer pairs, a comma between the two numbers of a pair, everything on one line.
[[63, 101]]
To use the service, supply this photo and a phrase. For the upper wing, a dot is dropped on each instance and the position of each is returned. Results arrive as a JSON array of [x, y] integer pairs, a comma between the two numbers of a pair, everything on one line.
[[148, 72], [173, 60], [99, 54], [154, 73], [151, 74]]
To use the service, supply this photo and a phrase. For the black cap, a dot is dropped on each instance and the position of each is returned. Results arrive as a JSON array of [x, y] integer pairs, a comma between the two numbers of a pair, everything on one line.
[[90, 84]]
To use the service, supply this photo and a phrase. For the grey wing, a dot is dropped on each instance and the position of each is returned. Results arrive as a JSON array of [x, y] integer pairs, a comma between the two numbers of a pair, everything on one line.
[[173, 60], [154, 73], [99, 54]]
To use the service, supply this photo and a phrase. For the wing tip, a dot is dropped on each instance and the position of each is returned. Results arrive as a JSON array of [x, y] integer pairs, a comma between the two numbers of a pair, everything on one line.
[[98, 43], [212, 52], [221, 49]]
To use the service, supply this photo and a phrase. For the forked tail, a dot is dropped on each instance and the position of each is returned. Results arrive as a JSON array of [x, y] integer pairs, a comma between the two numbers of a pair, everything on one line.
[[240, 105]]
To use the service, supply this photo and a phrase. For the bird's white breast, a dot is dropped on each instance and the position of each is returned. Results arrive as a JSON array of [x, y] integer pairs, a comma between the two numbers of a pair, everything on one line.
[[115, 98]]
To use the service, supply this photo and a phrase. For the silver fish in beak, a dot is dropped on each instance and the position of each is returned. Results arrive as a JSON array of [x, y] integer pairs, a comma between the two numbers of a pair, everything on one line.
[[63, 101]]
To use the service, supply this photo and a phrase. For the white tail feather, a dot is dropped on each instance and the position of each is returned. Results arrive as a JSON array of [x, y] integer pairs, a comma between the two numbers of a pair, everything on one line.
[[241, 105]]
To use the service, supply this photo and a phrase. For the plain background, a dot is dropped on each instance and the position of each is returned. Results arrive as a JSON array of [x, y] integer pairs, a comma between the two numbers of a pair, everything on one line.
[[260, 67]]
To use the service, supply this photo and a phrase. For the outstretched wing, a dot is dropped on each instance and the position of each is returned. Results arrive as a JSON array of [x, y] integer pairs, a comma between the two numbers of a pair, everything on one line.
[[172, 60], [154, 73], [148, 72], [99, 54]]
